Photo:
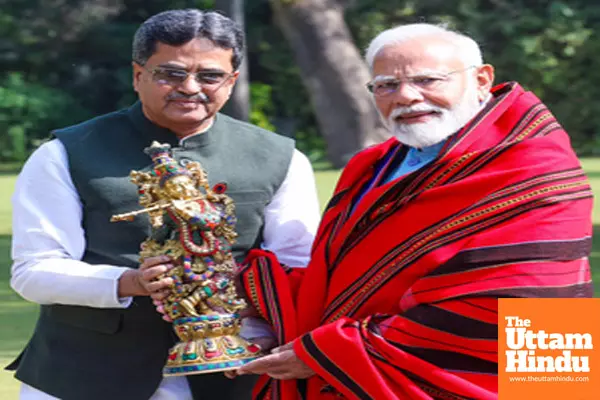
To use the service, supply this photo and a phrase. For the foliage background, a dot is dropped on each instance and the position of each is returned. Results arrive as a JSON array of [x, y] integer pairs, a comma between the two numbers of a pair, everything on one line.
[[63, 61]]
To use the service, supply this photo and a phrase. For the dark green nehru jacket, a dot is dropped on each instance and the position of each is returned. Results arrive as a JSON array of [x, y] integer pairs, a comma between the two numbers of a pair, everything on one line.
[[90, 353]]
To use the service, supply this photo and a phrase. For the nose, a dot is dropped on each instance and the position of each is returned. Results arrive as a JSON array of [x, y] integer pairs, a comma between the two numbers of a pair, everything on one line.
[[407, 95], [190, 86]]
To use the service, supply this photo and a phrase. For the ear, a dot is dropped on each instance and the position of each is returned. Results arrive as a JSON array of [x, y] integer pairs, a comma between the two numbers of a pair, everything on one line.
[[485, 80], [137, 70], [234, 77], [232, 82]]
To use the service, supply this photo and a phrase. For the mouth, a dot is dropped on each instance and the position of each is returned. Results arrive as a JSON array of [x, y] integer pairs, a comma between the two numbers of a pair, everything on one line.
[[188, 104], [413, 117]]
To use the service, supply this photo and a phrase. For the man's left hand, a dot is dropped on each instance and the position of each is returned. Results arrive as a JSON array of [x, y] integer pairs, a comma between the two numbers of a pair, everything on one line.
[[282, 363]]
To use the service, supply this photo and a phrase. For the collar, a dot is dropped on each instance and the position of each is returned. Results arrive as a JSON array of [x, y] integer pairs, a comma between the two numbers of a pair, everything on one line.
[[432, 150]]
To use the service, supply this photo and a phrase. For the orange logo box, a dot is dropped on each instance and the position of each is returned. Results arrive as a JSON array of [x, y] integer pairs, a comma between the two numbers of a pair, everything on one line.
[[549, 349]]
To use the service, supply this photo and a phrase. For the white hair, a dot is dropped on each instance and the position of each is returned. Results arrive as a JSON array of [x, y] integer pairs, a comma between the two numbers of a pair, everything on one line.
[[469, 50]]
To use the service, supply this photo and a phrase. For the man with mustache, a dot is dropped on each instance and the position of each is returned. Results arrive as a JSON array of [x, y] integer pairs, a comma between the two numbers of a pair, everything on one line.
[[477, 196], [98, 335]]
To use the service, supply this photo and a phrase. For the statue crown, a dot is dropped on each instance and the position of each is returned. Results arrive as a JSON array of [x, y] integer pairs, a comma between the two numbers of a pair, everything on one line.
[[165, 167]]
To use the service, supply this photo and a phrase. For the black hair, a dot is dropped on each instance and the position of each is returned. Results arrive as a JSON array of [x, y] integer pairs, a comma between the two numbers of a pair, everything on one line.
[[178, 27]]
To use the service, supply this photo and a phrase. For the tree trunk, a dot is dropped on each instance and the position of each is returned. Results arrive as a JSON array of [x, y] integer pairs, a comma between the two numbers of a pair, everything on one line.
[[238, 105], [335, 74]]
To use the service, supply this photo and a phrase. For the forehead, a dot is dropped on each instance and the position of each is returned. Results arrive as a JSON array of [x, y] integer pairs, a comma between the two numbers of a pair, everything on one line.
[[415, 55], [197, 53]]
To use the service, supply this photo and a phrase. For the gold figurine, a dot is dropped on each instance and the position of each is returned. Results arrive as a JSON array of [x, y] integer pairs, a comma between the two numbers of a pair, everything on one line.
[[194, 224]]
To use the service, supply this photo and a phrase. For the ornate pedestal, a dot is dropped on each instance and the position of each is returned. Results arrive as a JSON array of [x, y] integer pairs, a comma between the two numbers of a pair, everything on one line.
[[209, 343]]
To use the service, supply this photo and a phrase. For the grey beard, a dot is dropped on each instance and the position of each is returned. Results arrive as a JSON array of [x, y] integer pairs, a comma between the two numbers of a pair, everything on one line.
[[444, 125]]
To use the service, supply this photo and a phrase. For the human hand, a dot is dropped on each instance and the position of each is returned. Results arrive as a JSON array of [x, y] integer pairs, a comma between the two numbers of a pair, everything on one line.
[[145, 280], [265, 343], [282, 363]]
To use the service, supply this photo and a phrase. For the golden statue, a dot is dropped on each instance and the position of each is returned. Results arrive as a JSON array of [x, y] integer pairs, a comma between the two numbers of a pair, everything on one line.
[[194, 225]]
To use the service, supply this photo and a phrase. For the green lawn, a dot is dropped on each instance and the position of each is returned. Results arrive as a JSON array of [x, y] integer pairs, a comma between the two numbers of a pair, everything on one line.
[[18, 316]]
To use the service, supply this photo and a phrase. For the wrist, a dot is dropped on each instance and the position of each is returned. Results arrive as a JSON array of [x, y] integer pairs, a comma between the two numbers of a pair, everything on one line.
[[129, 284]]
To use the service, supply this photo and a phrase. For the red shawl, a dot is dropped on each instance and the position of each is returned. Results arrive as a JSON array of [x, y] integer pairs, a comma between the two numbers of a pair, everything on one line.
[[399, 300]]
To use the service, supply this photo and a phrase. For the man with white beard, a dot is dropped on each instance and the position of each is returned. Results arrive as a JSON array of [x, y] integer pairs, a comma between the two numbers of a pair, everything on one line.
[[428, 84], [478, 195]]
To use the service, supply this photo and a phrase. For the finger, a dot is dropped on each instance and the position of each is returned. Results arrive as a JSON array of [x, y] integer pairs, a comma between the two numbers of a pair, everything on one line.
[[262, 365], [160, 295], [154, 272], [252, 368], [231, 374], [287, 346], [157, 286], [152, 261]]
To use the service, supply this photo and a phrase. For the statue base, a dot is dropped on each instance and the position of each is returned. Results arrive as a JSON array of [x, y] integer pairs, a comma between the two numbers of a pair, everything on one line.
[[204, 368], [210, 343]]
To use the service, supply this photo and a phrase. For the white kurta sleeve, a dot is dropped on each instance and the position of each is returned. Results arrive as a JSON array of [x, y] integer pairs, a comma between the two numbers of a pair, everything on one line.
[[292, 217], [48, 240]]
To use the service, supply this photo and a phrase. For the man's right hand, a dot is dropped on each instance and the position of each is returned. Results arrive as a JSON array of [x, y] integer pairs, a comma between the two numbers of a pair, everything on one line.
[[143, 281], [266, 344]]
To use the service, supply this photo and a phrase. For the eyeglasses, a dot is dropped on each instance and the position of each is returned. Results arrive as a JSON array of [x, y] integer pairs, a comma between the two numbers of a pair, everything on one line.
[[383, 86], [175, 76]]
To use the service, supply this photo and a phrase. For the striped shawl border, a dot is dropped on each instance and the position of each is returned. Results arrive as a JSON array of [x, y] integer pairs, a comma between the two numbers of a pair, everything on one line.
[[498, 278], [432, 390], [576, 290], [450, 347], [319, 357], [453, 323], [269, 292], [449, 360], [472, 259]]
